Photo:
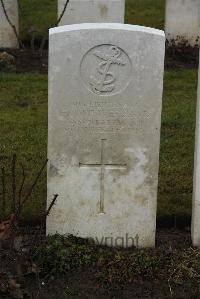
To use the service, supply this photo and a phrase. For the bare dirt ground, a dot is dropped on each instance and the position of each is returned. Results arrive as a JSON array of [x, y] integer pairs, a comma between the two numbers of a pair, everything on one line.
[[107, 277]]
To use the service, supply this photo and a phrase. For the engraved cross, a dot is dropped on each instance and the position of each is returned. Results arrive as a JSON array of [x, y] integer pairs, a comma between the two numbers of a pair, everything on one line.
[[102, 165]]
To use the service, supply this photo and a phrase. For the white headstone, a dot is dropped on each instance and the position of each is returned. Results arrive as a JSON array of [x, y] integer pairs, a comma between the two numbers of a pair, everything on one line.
[[105, 99], [92, 11], [182, 21], [7, 36], [196, 182]]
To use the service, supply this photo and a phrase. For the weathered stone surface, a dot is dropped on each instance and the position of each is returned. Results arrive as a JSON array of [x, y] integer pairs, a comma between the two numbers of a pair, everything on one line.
[[196, 181], [182, 21], [92, 11], [7, 36], [105, 98]]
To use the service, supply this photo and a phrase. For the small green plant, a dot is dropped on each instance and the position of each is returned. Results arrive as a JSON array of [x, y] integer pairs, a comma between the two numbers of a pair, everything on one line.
[[61, 254]]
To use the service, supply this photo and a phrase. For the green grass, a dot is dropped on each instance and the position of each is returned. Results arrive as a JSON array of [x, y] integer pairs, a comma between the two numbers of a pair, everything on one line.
[[23, 121], [38, 15], [41, 15], [23, 130], [177, 143], [146, 13]]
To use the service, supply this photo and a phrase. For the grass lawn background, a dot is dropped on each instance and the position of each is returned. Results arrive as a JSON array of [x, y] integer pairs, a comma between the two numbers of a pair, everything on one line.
[[23, 117], [41, 15]]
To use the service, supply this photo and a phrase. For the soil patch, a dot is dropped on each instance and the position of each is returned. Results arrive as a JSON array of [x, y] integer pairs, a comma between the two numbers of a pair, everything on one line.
[[181, 56], [93, 281], [26, 61]]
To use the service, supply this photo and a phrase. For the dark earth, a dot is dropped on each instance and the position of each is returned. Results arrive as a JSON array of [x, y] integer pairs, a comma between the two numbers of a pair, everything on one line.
[[175, 276]]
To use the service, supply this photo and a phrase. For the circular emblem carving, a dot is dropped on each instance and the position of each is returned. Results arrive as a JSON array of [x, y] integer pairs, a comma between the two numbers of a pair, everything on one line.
[[106, 70]]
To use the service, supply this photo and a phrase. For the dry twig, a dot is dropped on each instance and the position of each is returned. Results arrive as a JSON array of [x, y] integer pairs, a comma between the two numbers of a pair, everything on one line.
[[3, 191], [62, 13], [51, 205], [13, 170], [34, 184], [21, 188], [38, 233], [45, 38]]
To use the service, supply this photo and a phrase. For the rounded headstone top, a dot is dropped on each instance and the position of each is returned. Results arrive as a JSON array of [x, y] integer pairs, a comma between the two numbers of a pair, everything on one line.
[[112, 26]]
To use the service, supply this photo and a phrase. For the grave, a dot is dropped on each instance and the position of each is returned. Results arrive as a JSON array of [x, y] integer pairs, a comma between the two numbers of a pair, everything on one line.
[[105, 100], [196, 185], [7, 36], [92, 11], [182, 21]]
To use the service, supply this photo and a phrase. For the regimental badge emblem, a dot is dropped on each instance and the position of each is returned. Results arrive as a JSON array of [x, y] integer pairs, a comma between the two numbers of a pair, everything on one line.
[[106, 70]]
